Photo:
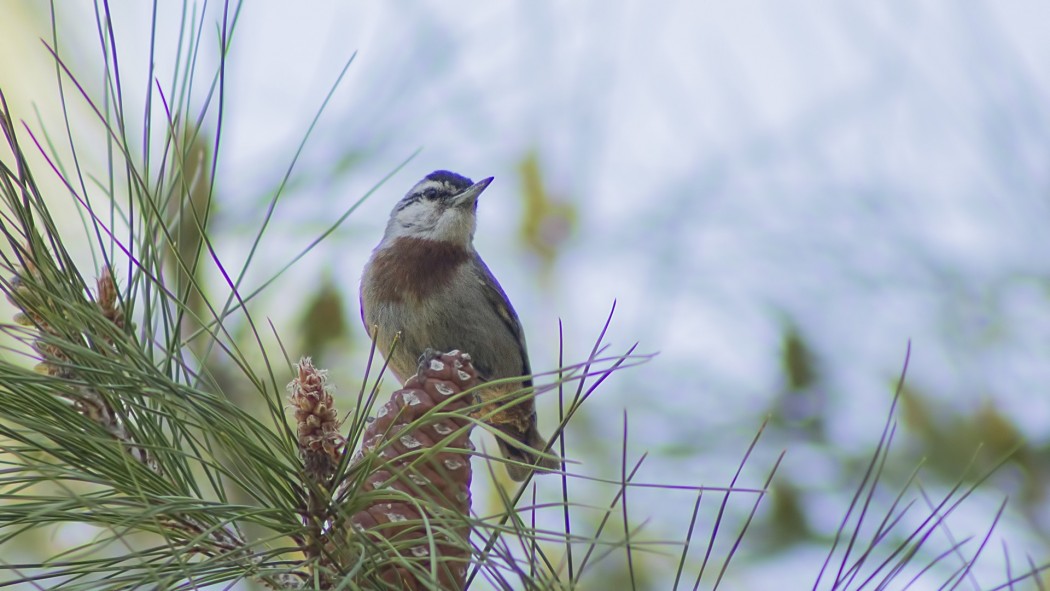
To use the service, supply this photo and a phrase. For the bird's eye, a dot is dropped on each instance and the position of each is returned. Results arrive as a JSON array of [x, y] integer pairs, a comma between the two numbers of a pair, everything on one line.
[[430, 194]]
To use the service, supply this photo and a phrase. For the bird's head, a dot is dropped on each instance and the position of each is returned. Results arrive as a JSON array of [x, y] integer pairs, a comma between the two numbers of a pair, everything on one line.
[[442, 207]]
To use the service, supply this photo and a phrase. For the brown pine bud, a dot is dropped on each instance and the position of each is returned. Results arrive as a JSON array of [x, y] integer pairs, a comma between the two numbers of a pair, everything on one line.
[[317, 420], [107, 298]]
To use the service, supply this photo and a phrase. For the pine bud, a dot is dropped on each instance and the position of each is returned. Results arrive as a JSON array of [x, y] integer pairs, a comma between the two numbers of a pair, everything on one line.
[[317, 420]]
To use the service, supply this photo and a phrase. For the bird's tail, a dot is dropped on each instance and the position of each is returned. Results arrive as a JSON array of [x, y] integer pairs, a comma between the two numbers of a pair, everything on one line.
[[524, 450]]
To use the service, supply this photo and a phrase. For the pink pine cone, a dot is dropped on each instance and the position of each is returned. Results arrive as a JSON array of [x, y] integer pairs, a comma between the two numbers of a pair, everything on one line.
[[408, 463]]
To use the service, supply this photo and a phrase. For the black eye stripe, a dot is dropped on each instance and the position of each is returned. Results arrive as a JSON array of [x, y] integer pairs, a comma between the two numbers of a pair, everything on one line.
[[439, 187], [409, 200]]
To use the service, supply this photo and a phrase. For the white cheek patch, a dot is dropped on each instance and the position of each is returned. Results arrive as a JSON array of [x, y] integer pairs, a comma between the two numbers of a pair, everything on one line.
[[417, 218], [418, 211], [431, 220]]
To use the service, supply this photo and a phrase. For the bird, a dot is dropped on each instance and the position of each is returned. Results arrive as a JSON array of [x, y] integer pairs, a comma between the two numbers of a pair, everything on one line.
[[426, 286]]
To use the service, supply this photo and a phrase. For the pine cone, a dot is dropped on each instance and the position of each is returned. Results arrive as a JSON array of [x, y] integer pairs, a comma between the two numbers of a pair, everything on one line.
[[440, 479]]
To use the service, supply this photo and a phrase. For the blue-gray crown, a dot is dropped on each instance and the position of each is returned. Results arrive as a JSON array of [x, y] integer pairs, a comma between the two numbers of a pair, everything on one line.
[[456, 182]]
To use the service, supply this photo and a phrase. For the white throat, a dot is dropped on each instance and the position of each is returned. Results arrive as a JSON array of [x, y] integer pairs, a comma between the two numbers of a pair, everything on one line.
[[432, 220]]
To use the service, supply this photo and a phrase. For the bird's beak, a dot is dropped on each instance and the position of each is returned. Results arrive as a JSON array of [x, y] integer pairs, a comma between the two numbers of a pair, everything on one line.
[[469, 196]]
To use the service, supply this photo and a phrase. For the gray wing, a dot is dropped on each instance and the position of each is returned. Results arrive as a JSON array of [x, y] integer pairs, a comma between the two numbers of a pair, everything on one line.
[[499, 302]]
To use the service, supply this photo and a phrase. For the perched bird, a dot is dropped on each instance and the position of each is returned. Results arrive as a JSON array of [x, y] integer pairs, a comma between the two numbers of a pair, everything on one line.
[[426, 283]]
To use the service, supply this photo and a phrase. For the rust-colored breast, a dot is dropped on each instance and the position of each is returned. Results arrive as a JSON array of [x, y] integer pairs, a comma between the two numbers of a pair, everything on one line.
[[414, 268]]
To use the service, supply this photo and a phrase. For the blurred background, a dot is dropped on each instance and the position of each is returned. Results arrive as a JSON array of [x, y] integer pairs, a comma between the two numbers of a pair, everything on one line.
[[778, 199]]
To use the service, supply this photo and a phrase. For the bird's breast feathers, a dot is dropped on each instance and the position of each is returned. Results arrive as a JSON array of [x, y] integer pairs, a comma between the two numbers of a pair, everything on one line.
[[413, 268]]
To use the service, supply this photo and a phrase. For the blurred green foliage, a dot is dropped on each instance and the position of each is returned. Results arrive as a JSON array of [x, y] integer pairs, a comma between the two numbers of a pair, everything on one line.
[[548, 220], [802, 403], [323, 325]]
